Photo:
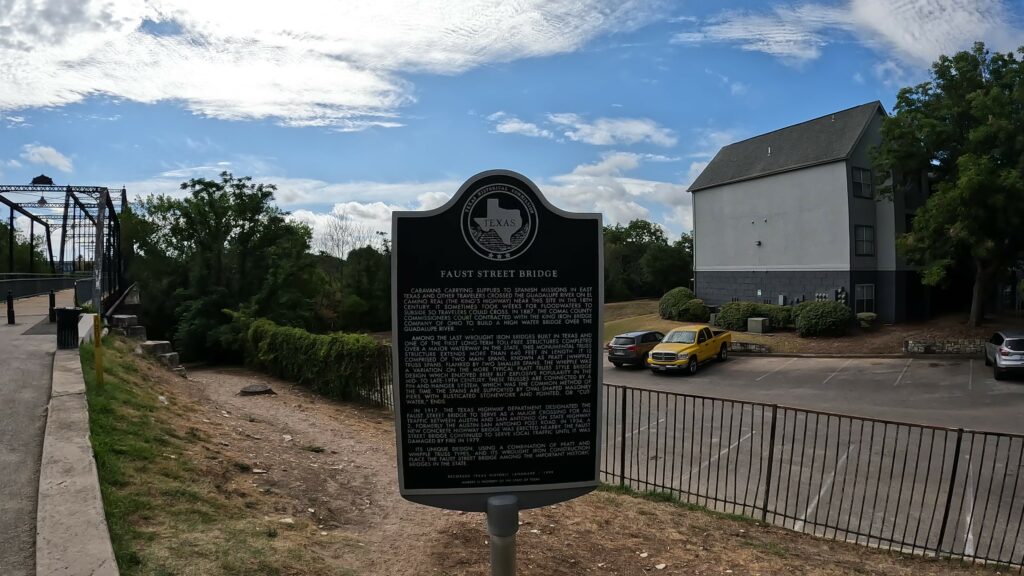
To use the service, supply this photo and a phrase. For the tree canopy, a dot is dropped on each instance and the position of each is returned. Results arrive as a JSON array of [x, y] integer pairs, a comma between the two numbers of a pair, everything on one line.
[[962, 132], [226, 246], [640, 262]]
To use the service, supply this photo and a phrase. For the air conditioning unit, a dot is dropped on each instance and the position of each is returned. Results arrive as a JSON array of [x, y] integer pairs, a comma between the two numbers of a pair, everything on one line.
[[757, 325]]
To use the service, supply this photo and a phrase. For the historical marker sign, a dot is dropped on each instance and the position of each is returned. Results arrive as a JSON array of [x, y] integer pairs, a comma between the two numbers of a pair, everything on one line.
[[496, 300]]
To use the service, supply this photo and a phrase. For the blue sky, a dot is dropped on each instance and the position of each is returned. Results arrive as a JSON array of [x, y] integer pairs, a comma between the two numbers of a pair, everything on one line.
[[360, 108]]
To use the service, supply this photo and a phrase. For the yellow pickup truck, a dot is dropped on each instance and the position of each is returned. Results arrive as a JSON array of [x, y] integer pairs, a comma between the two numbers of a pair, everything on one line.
[[687, 347]]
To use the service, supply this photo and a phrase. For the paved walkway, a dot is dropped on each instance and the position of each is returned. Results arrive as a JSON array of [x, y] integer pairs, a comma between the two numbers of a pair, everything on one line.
[[26, 364]]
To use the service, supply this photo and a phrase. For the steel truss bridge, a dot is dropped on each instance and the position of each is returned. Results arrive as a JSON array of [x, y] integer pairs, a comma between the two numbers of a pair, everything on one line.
[[66, 222]]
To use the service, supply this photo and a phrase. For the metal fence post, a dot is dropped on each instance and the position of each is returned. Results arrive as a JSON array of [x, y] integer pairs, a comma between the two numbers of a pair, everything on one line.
[[771, 461], [10, 307], [53, 304], [949, 494], [622, 441]]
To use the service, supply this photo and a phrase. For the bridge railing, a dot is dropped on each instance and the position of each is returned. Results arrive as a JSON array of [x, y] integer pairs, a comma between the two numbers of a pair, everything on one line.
[[25, 285]]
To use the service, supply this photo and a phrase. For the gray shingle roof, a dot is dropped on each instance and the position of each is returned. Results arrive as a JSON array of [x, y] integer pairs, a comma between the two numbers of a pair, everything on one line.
[[827, 139]]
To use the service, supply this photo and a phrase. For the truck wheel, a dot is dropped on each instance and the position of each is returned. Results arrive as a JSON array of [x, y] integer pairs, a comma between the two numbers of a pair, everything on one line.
[[997, 373], [723, 354], [617, 364], [691, 366], [987, 361]]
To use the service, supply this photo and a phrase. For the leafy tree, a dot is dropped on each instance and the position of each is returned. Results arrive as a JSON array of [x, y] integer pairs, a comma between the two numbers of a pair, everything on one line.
[[223, 246], [665, 267], [963, 131], [22, 250]]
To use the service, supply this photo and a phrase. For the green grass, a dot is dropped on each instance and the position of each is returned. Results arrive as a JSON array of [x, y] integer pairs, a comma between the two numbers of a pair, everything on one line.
[[635, 323], [166, 515], [620, 310]]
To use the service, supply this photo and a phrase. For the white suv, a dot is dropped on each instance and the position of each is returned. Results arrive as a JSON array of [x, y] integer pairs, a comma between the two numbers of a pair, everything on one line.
[[1004, 351]]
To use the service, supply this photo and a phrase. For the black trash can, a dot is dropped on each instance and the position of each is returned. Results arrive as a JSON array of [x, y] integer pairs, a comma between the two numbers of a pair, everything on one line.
[[67, 327]]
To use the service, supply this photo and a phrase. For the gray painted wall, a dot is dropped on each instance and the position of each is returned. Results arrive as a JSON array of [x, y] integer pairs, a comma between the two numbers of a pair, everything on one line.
[[795, 216], [719, 287]]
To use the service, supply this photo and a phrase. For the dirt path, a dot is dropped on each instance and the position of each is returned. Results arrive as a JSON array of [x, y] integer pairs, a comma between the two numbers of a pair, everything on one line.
[[338, 461], [331, 468]]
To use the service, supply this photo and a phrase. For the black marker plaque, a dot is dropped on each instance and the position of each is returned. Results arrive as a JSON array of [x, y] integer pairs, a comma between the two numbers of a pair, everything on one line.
[[496, 300]]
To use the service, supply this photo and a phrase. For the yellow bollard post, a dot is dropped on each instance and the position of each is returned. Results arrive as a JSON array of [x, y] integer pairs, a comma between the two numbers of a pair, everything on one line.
[[97, 339]]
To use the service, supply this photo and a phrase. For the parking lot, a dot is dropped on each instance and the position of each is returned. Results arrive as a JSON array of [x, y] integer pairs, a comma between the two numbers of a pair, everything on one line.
[[956, 393], [842, 475]]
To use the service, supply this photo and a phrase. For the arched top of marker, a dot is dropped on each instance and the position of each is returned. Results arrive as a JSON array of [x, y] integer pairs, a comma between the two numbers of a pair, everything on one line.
[[482, 178]]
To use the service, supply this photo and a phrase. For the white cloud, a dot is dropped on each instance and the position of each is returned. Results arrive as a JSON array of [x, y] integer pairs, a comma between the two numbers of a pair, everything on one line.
[[302, 63], [915, 31], [610, 131], [602, 186], [889, 73], [858, 78], [736, 88], [12, 163], [505, 124], [795, 34], [47, 155]]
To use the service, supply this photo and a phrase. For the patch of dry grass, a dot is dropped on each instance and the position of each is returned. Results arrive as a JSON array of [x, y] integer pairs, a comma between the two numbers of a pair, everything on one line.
[[170, 510]]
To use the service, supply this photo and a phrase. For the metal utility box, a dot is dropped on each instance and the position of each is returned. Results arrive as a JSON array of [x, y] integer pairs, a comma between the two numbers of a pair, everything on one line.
[[757, 325]]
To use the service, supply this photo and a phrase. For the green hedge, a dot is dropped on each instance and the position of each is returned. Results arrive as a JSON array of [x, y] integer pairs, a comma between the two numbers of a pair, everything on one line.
[[343, 366], [696, 311], [827, 318], [734, 315], [867, 319], [672, 305]]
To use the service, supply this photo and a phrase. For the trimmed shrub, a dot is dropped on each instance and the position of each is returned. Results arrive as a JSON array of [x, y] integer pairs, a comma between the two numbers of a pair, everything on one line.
[[343, 366], [696, 311], [733, 316], [867, 319], [778, 316], [823, 319], [672, 304]]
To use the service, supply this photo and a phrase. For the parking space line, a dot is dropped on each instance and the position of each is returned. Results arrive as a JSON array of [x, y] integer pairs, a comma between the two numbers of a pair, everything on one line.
[[909, 360], [970, 379], [763, 376], [724, 451], [642, 428], [799, 525], [840, 369]]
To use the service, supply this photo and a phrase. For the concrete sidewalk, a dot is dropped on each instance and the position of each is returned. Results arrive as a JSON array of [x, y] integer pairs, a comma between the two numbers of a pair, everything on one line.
[[26, 364]]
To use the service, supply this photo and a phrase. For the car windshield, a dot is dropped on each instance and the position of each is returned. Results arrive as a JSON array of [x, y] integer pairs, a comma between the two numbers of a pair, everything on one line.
[[1017, 345], [622, 341], [681, 337]]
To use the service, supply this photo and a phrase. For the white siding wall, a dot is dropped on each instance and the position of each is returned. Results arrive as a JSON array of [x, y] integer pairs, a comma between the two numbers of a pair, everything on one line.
[[801, 218]]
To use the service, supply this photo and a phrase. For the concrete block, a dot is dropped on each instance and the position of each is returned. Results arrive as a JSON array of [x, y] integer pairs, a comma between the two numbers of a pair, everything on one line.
[[169, 359], [71, 529], [156, 347], [136, 332], [124, 320], [757, 325]]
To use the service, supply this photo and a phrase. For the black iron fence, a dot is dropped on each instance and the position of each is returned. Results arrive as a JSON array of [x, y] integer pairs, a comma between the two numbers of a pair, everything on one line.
[[918, 489], [927, 490]]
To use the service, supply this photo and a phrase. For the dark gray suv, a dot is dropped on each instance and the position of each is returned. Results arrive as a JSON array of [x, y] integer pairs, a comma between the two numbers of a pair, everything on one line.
[[632, 347]]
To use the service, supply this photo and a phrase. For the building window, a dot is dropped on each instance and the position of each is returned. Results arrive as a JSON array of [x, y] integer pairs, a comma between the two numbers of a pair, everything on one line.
[[864, 300], [864, 238], [862, 187]]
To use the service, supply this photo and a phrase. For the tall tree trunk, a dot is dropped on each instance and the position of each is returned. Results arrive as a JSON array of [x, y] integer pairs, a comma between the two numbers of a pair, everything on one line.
[[982, 275]]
